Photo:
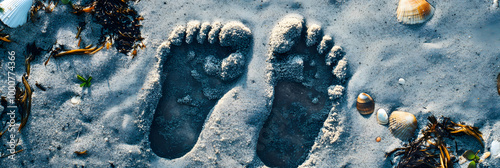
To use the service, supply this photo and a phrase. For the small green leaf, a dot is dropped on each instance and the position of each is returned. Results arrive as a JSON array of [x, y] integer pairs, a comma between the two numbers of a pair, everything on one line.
[[81, 78], [90, 78], [88, 84], [1, 9], [477, 158], [472, 164], [469, 155], [82, 85]]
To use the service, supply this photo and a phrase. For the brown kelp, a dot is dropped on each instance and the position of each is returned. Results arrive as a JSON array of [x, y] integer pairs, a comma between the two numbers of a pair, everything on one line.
[[431, 150], [32, 51], [40, 86], [23, 101], [60, 51], [81, 152], [4, 37], [39, 5], [119, 21]]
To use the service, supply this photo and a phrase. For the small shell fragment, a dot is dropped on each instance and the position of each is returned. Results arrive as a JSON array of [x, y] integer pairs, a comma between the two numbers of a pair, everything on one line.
[[498, 83], [401, 81], [365, 104], [382, 117], [484, 157], [75, 100], [378, 139], [414, 11], [402, 124]]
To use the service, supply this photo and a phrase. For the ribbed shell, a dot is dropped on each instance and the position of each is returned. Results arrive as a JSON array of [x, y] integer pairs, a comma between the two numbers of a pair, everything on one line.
[[15, 12], [414, 11], [365, 104], [402, 124], [382, 117]]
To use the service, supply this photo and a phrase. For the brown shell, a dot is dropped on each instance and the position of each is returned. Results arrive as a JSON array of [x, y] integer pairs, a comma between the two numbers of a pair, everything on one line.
[[498, 83], [365, 104]]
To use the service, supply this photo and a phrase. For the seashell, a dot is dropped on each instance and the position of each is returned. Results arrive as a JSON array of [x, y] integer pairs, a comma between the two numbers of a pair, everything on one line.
[[75, 100], [484, 157], [365, 104], [495, 148], [402, 124], [498, 83], [15, 12], [414, 11], [401, 81], [382, 117]]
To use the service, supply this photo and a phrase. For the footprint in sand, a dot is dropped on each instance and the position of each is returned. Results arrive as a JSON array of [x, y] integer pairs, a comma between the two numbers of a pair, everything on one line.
[[202, 62], [309, 76]]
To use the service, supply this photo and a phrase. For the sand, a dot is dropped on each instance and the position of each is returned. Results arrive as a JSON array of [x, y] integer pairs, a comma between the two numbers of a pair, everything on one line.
[[256, 84]]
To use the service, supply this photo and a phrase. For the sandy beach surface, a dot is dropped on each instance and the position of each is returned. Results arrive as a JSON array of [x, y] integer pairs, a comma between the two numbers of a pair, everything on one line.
[[254, 83]]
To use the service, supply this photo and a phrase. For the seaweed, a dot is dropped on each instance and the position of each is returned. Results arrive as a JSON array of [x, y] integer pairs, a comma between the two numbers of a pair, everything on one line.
[[430, 150], [40, 86], [32, 52], [79, 28], [119, 21], [4, 36], [59, 51], [23, 101], [39, 5], [81, 152]]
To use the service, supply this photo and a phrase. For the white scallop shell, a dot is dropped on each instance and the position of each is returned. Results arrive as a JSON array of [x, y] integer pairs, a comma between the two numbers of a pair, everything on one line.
[[495, 148], [382, 117], [402, 124], [15, 12]]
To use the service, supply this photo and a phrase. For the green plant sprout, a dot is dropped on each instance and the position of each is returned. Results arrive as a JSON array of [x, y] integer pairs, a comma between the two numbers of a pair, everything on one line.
[[469, 155], [86, 82]]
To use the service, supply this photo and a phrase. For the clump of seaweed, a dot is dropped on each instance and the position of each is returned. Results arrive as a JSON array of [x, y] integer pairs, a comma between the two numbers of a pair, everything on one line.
[[119, 21], [430, 150], [39, 5]]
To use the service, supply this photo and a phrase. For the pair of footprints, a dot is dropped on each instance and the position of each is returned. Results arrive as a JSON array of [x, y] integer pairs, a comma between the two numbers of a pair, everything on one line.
[[203, 61]]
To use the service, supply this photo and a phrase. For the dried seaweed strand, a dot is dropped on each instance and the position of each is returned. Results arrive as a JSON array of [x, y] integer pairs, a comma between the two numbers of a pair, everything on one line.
[[26, 103]]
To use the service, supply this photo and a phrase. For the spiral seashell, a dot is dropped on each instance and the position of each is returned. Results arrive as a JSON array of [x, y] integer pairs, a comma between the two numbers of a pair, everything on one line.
[[414, 11], [382, 117], [365, 104], [15, 12], [402, 124]]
